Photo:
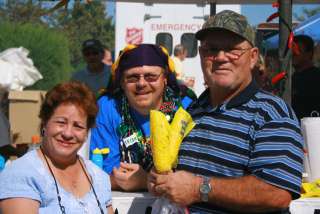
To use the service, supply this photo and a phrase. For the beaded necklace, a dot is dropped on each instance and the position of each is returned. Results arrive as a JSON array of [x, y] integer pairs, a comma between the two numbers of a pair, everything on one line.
[[62, 208], [135, 146]]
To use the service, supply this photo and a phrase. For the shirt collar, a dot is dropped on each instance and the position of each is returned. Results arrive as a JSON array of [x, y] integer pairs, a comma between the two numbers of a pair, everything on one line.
[[106, 68], [243, 97]]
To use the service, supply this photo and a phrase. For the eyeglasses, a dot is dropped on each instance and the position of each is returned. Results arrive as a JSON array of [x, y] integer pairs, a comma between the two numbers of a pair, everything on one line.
[[149, 77], [230, 53]]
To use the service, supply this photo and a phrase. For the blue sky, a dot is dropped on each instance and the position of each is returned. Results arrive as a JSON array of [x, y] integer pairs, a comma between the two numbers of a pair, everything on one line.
[[255, 13], [259, 13]]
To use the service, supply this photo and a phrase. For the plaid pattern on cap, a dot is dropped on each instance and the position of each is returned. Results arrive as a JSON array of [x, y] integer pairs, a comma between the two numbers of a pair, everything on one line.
[[231, 21]]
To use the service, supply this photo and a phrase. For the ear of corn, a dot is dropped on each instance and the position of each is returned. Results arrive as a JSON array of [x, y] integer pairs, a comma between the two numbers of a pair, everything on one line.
[[310, 190], [166, 139], [180, 127], [160, 141]]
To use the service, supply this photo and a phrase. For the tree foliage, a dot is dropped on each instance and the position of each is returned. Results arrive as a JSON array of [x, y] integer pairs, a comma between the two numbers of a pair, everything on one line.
[[80, 21], [48, 50], [22, 11], [85, 21], [306, 13]]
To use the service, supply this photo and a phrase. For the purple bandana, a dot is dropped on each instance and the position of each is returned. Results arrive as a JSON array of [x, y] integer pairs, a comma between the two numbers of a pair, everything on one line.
[[143, 54]]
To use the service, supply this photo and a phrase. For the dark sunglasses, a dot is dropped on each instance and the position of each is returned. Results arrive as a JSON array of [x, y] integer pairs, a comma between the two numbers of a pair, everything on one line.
[[90, 53]]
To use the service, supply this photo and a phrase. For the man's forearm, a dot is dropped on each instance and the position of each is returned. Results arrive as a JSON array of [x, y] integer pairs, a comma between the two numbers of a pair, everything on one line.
[[248, 194]]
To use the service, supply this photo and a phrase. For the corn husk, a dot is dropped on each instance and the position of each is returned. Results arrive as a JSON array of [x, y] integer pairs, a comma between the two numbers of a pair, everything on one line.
[[159, 128], [180, 127], [310, 190], [166, 139]]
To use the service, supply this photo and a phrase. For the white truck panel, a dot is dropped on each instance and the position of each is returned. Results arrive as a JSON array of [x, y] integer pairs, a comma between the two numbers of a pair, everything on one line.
[[141, 23]]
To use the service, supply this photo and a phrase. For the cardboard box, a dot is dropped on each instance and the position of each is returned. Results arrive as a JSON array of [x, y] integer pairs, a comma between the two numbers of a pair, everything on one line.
[[24, 108]]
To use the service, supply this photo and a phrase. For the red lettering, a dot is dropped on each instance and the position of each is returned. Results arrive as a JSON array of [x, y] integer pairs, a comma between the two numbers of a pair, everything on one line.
[[176, 27]]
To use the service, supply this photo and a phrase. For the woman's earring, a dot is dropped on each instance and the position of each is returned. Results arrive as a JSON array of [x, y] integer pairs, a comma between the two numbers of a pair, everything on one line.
[[42, 132]]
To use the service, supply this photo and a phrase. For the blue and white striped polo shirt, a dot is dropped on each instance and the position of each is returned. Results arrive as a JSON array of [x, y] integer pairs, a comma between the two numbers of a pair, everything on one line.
[[254, 133]]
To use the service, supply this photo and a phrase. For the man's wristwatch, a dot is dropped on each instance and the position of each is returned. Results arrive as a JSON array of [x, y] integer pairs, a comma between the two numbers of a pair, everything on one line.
[[205, 188]]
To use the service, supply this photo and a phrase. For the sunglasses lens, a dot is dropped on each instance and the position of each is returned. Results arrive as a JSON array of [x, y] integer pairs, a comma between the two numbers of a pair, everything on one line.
[[147, 78], [89, 53]]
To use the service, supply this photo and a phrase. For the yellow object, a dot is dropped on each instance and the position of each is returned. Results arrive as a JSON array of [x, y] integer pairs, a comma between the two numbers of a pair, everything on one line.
[[311, 189], [170, 61], [96, 151], [105, 151], [115, 65], [166, 139], [180, 127], [159, 128], [102, 151]]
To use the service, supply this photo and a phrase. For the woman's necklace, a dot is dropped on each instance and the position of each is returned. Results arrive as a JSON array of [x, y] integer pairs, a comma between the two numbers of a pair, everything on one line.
[[62, 208]]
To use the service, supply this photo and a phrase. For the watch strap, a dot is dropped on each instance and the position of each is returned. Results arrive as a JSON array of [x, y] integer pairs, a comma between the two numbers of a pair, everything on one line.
[[205, 189]]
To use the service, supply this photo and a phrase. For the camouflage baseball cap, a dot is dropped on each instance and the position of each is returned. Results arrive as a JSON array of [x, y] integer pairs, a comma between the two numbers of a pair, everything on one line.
[[231, 21]]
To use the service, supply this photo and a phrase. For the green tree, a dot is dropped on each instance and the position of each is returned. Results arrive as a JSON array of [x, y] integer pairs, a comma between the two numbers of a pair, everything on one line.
[[22, 11], [48, 50], [80, 21], [85, 21], [306, 13]]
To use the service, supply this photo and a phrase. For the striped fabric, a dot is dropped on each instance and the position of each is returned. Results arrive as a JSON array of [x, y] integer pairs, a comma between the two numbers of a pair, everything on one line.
[[254, 133]]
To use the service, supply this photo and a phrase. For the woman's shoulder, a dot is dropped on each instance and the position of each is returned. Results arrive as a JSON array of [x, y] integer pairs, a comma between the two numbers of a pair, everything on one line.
[[26, 167], [27, 161], [22, 177]]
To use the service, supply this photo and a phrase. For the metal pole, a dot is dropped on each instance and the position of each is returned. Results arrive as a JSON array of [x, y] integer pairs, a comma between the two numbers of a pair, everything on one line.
[[213, 9], [285, 54]]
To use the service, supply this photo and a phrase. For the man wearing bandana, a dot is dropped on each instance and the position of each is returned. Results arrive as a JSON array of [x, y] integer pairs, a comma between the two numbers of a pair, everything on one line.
[[143, 80]]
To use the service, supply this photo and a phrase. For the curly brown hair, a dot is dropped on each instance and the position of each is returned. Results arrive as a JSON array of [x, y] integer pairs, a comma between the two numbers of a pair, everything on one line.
[[72, 92]]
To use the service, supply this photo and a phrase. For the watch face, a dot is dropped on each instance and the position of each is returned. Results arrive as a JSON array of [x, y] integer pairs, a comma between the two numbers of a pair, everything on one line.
[[205, 188]]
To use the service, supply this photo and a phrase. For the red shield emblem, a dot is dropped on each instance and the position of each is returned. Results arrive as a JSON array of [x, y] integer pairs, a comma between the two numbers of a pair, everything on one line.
[[134, 36]]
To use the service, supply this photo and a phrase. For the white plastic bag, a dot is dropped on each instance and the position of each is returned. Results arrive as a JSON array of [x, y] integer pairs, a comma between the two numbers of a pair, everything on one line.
[[164, 206], [17, 70]]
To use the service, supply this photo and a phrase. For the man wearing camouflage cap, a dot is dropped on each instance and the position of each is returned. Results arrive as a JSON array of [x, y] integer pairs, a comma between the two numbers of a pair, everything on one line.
[[245, 153]]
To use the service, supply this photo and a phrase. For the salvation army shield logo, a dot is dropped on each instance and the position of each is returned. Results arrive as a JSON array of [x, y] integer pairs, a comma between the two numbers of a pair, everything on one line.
[[134, 36]]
